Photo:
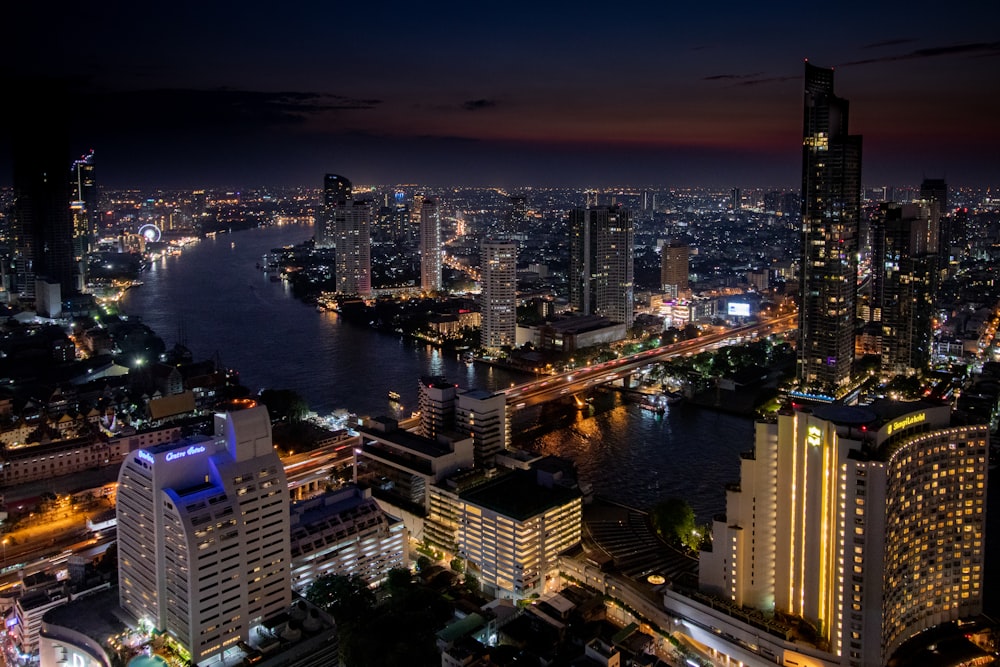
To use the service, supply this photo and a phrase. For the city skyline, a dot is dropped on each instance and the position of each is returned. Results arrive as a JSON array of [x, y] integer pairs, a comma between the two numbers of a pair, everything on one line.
[[668, 97]]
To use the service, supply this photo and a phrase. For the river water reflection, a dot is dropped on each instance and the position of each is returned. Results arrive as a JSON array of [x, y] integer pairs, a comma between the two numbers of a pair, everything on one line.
[[215, 299]]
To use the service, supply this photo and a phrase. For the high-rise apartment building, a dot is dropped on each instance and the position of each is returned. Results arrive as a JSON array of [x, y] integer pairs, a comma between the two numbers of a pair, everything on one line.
[[430, 246], [831, 213], [674, 267], [499, 295], [601, 280], [337, 191], [352, 231], [904, 267], [203, 534], [864, 524]]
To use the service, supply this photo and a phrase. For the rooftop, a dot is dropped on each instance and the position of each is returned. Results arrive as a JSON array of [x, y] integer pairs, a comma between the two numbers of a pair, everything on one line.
[[519, 496]]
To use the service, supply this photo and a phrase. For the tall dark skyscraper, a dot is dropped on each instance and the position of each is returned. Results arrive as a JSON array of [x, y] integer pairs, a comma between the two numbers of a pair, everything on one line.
[[601, 262], [336, 190], [831, 212], [904, 262], [43, 224]]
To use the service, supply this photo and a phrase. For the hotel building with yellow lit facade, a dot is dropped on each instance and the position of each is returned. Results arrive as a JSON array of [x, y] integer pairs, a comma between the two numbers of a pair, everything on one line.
[[863, 525]]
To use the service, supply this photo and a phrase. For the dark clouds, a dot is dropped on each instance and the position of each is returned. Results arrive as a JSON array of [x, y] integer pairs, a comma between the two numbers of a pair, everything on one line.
[[478, 105]]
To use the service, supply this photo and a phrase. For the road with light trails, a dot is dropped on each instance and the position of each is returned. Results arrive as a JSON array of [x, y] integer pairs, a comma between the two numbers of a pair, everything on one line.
[[567, 383]]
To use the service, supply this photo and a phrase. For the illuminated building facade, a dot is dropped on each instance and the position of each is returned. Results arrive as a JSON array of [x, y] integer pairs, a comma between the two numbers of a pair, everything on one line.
[[430, 246], [84, 205], [601, 280], [352, 231], [483, 415], [344, 532], [337, 190], [499, 295], [868, 524], [509, 528], [674, 268], [203, 534], [831, 212]]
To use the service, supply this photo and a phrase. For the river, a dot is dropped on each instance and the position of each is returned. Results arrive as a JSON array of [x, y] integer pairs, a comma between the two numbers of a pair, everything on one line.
[[214, 300]]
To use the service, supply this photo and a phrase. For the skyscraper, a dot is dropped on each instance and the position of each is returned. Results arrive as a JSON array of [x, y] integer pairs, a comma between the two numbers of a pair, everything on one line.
[[336, 191], [866, 524], [352, 230], [831, 211], [43, 224], [602, 263], [84, 204], [499, 295], [674, 267], [203, 534], [904, 265], [430, 246]]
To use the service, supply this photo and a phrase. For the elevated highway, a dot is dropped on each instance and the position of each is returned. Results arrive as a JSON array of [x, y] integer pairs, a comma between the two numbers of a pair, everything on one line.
[[560, 385]]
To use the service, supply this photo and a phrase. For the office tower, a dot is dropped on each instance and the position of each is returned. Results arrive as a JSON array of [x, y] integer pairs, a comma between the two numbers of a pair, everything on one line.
[[935, 189], [84, 205], [344, 532], [352, 233], [904, 265], [436, 400], [430, 246], [517, 220], [831, 213], [601, 263], [203, 539], [499, 295], [336, 191], [864, 524], [482, 414], [674, 267], [43, 224], [509, 527], [736, 200]]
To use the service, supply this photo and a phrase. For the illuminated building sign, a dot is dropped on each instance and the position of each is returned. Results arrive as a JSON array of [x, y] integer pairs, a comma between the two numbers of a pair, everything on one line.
[[181, 453], [143, 455], [814, 436], [908, 420]]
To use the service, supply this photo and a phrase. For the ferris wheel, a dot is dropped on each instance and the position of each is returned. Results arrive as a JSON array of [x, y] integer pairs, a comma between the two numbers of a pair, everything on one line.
[[150, 232]]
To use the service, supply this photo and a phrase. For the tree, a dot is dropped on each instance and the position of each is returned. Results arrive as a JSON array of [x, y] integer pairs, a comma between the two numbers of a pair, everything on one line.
[[284, 405], [345, 597], [423, 562], [674, 521]]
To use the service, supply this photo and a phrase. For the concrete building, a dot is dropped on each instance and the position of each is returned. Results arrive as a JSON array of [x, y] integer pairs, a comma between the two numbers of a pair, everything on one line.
[[601, 280], [483, 415], [436, 402], [864, 524], [352, 232], [401, 466], [203, 535], [499, 295], [674, 268], [509, 527], [344, 532], [430, 245]]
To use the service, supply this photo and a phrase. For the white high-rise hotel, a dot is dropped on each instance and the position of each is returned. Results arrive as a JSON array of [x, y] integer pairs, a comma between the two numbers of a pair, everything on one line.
[[203, 534], [866, 523]]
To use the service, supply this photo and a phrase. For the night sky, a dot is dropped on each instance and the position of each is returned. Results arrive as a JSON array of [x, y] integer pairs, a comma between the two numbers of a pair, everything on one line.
[[665, 94]]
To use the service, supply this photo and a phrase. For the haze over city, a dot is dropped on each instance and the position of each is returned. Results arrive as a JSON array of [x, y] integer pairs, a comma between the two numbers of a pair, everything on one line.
[[549, 95]]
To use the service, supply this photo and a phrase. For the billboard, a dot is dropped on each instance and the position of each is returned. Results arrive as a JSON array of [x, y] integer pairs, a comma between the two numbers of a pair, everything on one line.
[[739, 309]]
